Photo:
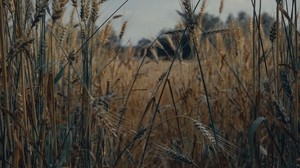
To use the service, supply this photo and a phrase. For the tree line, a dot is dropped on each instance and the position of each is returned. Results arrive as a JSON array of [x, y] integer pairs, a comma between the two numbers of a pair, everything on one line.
[[209, 22]]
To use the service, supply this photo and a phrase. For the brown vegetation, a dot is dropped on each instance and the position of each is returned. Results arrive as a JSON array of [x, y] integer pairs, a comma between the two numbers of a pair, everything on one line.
[[71, 97]]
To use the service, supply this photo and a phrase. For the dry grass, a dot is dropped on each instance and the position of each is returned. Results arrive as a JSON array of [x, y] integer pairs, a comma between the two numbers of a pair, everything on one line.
[[70, 97]]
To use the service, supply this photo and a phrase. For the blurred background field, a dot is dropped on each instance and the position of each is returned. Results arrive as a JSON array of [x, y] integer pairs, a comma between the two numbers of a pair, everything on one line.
[[205, 93]]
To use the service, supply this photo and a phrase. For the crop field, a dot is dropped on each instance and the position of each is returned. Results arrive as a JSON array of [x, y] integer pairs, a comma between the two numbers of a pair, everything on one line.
[[73, 94]]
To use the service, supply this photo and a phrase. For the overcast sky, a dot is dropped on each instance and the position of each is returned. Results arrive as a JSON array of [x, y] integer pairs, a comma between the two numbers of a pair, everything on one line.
[[147, 17]]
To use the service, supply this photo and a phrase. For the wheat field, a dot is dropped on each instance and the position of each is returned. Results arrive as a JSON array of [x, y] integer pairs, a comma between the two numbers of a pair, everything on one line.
[[73, 96]]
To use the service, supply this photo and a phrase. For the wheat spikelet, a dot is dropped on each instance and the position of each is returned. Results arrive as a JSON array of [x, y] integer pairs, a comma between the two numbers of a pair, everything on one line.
[[63, 2], [74, 3], [178, 156], [158, 44], [261, 30], [57, 10], [280, 113], [250, 25], [101, 109], [71, 22], [95, 10], [29, 7], [20, 103], [206, 132], [154, 54], [62, 35], [82, 6], [238, 39], [84, 10], [219, 40], [116, 16], [11, 6], [105, 33], [273, 34], [171, 43], [39, 13], [20, 45], [70, 33], [286, 84], [180, 26], [223, 144], [194, 37], [187, 7], [201, 12], [175, 32], [221, 8], [140, 133], [128, 55], [214, 31], [263, 150], [83, 31], [123, 28], [71, 56]]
